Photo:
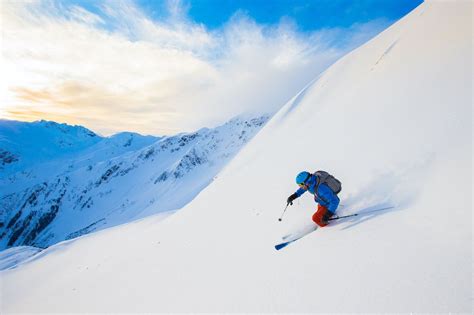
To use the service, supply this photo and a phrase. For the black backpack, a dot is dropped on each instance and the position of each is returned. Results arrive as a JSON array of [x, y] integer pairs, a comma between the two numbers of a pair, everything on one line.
[[323, 177]]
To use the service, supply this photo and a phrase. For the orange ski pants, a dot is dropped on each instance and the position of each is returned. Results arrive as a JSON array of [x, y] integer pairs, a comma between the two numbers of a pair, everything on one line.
[[321, 215]]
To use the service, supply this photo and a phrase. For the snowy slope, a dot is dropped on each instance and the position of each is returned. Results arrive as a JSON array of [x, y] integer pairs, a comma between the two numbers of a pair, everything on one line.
[[11, 257], [392, 120], [114, 181]]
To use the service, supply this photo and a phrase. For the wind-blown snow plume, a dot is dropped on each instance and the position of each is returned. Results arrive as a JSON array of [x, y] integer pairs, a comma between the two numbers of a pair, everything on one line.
[[119, 68]]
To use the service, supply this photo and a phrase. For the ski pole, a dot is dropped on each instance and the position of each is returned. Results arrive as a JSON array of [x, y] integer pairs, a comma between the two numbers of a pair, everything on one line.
[[279, 219], [366, 212], [345, 216]]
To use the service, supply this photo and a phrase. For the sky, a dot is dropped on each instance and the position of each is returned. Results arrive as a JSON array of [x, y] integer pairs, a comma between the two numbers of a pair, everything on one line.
[[164, 67]]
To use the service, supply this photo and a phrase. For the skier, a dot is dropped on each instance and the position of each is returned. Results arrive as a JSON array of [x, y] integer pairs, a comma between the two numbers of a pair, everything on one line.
[[325, 188]]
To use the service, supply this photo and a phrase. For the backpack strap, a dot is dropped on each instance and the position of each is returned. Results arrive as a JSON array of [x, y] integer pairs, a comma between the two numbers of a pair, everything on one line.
[[320, 178], [318, 181]]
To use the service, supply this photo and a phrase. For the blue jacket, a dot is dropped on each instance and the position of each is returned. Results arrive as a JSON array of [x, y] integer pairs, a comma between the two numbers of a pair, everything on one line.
[[324, 196]]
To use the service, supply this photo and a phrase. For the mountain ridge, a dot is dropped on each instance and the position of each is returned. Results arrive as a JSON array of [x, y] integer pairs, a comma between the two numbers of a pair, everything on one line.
[[97, 188]]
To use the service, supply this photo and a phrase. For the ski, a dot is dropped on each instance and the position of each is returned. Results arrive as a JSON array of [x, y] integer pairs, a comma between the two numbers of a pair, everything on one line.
[[284, 244], [304, 233]]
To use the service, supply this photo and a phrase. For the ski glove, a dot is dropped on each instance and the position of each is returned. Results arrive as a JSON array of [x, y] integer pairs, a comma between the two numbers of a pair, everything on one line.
[[291, 198]]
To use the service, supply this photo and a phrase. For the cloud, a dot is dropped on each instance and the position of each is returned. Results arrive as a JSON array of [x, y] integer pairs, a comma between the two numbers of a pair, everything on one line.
[[118, 69]]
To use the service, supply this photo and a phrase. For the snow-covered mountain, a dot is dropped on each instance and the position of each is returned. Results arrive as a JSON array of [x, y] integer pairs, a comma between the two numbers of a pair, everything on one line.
[[392, 120], [33, 152], [23, 145], [104, 182]]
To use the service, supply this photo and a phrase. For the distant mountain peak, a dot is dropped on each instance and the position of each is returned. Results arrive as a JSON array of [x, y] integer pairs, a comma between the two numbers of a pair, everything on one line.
[[65, 128]]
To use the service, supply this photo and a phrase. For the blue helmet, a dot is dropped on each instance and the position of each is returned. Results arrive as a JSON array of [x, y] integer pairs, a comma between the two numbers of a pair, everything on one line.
[[302, 177]]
